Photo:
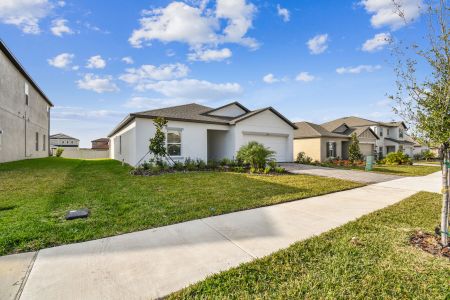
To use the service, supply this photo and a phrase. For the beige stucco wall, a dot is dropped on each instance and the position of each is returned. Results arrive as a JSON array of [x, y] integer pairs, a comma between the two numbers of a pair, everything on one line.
[[19, 123], [323, 148], [311, 147]]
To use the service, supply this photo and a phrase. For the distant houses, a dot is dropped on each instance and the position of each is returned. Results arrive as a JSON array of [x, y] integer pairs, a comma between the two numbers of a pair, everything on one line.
[[24, 112], [100, 144], [61, 140]]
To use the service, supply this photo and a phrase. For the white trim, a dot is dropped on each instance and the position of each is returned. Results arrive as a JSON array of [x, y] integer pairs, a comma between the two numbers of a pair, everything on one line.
[[265, 133]]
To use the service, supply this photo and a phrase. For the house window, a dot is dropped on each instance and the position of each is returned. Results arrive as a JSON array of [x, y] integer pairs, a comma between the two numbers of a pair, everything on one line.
[[37, 141], [331, 149], [400, 133], [26, 93], [43, 142], [120, 144], [174, 142], [381, 131], [388, 133]]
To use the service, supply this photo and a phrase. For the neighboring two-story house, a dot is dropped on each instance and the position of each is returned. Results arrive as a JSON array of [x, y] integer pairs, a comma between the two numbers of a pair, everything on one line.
[[392, 136], [24, 112], [61, 140]]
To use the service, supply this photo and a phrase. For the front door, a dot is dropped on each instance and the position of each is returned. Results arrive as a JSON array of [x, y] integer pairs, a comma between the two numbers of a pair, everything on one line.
[[390, 149]]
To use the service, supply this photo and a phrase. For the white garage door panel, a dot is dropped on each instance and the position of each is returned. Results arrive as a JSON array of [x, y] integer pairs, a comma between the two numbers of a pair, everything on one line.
[[275, 143], [366, 149]]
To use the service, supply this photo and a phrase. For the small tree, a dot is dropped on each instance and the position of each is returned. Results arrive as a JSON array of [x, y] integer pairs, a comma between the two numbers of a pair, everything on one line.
[[424, 101], [158, 142], [255, 154], [354, 153]]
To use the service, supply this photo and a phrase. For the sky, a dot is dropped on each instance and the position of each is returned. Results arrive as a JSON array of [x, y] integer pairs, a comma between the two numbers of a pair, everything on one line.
[[312, 60]]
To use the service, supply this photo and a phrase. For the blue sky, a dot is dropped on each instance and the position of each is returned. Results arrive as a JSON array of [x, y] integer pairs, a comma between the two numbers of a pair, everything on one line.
[[312, 60]]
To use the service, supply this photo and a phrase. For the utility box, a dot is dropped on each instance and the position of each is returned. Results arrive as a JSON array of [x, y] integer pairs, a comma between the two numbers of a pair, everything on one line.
[[369, 163]]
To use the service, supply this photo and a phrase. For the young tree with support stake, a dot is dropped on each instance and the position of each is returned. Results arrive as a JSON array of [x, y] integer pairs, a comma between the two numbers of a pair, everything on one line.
[[424, 103], [354, 152]]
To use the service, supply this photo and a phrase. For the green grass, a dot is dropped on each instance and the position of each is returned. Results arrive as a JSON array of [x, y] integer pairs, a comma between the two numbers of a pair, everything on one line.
[[36, 194], [401, 170], [404, 170], [430, 162], [381, 265]]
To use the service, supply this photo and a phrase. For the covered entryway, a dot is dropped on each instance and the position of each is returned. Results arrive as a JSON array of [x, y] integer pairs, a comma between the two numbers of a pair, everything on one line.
[[274, 141]]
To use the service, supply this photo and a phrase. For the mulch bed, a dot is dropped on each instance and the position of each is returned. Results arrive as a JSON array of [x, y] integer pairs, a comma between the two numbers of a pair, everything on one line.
[[430, 243]]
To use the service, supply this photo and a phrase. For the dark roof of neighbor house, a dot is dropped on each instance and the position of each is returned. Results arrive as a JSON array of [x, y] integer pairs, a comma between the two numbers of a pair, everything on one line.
[[101, 140], [311, 130], [358, 122], [229, 104], [194, 113], [62, 136], [22, 70], [402, 142]]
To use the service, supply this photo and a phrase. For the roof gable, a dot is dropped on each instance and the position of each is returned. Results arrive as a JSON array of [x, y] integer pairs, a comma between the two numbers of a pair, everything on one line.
[[311, 130], [230, 110]]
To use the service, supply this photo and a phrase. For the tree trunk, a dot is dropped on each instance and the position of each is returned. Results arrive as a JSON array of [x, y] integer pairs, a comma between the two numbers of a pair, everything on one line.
[[445, 197]]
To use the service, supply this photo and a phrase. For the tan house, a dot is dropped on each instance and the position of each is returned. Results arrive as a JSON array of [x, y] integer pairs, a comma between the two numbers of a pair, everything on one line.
[[322, 144], [100, 144]]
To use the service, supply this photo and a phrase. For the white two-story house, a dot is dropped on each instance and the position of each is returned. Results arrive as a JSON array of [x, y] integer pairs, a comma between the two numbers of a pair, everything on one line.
[[392, 136]]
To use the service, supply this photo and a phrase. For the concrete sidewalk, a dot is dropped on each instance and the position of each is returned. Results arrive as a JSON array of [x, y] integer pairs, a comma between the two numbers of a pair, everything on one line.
[[153, 263], [353, 175]]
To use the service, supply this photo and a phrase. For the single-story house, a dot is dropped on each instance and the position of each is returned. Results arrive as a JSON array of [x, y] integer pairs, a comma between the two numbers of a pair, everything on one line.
[[321, 144], [200, 132]]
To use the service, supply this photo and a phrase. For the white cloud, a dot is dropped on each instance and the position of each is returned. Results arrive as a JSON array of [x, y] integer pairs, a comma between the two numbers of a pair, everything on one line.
[[357, 69], [385, 13], [318, 44], [195, 89], [197, 25], [128, 60], [76, 113], [270, 78], [98, 84], [59, 27], [145, 74], [378, 42], [210, 55], [61, 61], [25, 14], [96, 62], [61, 3], [305, 77], [284, 13]]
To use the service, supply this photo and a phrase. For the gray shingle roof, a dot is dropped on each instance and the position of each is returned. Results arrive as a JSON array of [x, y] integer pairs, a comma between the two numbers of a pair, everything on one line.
[[311, 130], [357, 122], [62, 136], [193, 113]]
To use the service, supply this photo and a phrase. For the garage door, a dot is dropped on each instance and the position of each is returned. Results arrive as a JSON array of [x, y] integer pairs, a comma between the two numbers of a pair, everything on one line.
[[366, 149], [274, 142]]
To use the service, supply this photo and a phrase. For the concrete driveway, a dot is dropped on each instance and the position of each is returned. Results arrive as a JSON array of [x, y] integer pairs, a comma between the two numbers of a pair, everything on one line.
[[153, 263], [353, 175]]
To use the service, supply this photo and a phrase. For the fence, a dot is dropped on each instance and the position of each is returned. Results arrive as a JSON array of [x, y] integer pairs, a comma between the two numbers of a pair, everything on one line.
[[81, 153]]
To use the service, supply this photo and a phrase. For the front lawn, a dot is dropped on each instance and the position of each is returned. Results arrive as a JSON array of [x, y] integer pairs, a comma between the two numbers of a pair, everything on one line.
[[370, 258], [36, 194], [402, 170]]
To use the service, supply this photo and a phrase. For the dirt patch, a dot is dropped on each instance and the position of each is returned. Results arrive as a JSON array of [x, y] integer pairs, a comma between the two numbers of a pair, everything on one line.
[[429, 243]]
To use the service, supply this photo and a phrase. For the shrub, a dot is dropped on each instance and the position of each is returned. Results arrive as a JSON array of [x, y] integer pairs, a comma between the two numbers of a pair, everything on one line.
[[212, 164], [280, 170], [59, 152], [253, 170], [427, 155], [177, 165], [239, 169], [418, 156], [255, 154], [201, 165], [225, 162], [267, 169], [397, 158], [272, 164], [190, 164], [354, 152], [302, 158]]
